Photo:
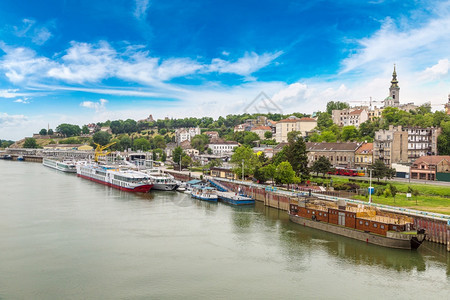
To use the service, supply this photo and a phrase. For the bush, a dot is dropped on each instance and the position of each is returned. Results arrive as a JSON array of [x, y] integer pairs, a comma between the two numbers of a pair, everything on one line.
[[387, 193], [379, 191]]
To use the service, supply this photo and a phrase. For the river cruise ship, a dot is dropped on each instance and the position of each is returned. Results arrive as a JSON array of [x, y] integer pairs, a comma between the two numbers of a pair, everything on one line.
[[116, 177], [359, 222], [68, 166]]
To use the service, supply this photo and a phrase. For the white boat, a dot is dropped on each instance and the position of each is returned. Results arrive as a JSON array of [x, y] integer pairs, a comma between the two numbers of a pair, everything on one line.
[[116, 177], [68, 166], [204, 193], [161, 181]]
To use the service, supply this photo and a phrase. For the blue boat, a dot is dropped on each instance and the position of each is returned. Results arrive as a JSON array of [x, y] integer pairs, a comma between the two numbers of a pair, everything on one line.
[[204, 193], [235, 198]]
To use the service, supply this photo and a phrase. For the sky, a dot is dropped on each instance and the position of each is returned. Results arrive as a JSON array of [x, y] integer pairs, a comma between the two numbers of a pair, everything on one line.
[[83, 61]]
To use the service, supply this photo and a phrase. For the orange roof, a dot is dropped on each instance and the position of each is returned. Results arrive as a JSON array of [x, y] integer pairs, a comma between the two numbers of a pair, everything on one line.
[[431, 160], [356, 112], [365, 148], [261, 128], [306, 119]]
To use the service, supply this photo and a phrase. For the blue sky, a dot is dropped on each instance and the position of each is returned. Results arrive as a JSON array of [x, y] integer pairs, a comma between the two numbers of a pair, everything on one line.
[[80, 61]]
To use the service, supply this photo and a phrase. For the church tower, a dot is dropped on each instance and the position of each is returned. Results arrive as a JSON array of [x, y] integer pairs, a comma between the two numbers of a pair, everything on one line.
[[394, 90]]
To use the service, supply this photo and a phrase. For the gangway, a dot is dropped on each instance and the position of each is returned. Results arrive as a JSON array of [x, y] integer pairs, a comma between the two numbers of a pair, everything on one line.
[[217, 185]]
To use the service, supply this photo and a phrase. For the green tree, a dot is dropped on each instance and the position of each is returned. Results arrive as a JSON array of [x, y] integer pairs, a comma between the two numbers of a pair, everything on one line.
[[43, 131], [101, 137], [260, 175], [50, 132], [125, 142], [284, 173], [268, 135], [159, 142], [328, 136], [324, 120], [393, 190], [30, 143], [244, 154], [209, 151], [322, 165], [443, 142], [177, 154], [186, 161], [296, 155], [163, 156], [349, 133], [199, 142], [141, 144], [269, 171], [336, 105], [68, 130], [85, 129], [379, 169], [71, 140]]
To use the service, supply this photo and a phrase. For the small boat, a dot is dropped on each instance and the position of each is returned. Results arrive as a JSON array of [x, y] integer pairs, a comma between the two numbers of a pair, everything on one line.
[[181, 186], [235, 198], [204, 193], [116, 177], [358, 222], [20, 158], [67, 166], [7, 156]]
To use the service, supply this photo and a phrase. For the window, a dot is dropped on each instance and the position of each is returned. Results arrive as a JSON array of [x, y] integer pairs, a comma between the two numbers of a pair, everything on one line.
[[320, 214], [382, 226], [367, 223], [375, 225], [324, 215], [394, 227], [308, 211], [360, 222]]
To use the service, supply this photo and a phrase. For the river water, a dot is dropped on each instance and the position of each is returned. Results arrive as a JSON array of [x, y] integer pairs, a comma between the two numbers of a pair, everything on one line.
[[63, 237]]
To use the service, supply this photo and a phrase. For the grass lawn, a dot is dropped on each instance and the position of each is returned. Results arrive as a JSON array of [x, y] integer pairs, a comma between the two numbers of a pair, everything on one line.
[[425, 203]]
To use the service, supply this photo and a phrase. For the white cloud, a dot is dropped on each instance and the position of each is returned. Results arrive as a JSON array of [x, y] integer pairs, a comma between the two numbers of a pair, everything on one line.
[[437, 71], [11, 120], [9, 93], [22, 63], [23, 100], [97, 106], [38, 34], [411, 43], [244, 66], [141, 8], [41, 35]]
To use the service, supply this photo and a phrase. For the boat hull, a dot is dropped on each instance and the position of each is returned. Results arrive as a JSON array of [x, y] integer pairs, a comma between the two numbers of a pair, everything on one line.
[[232, 201], [204, 198], [165, 186], [410, 242], [138, 189]]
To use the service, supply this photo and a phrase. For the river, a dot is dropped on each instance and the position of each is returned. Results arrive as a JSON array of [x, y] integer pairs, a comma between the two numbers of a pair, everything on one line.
[[63, 237]]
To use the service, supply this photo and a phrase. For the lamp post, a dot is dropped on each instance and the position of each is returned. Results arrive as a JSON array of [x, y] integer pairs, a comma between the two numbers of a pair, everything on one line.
[[180, 161], [242, 170], [370, 187]]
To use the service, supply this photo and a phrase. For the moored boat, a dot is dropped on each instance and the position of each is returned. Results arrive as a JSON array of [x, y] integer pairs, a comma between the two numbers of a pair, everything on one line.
[[357, 222], [61, 165], [204, 193], [235, 198], [122, 179], [161, 181]]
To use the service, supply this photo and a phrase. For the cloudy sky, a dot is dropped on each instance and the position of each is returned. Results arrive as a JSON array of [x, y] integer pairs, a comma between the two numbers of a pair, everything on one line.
[[81, 61]]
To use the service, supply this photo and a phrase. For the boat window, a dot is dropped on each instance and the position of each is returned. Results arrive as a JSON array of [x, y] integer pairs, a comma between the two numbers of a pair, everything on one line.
[[382, 226], [375, 225], [324, 215], [360, 222], [308, 211], [394, 227], [314, 212], [320, 214], [367, 223]]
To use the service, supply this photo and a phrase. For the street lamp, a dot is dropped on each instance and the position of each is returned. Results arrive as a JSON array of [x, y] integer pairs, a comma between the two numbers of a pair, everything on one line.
[[242, 170], [371, 189], [180, 161]]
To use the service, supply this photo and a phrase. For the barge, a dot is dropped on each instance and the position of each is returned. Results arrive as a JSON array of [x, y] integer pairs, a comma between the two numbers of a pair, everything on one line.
[[358, 222], [234, 198]]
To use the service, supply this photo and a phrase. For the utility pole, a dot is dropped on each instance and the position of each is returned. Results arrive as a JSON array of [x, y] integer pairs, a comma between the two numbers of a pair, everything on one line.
[[370, 187], [242, 170], [180, 161]]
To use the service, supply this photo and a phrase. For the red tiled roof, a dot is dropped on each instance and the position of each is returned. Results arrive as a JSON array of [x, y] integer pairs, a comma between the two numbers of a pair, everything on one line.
[[366, 148], [356, 112], [431, 160], [306, 119], [261, 128]]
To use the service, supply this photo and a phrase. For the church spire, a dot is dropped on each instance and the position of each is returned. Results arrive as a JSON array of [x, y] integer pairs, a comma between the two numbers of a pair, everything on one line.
[[394, 81]]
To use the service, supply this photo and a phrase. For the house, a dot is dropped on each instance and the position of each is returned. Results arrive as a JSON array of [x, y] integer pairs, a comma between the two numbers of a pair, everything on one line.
[[186, 134], [222, 148], [350, 116], [261, 130], [431, 168], [293, 123], [169, 149], [223, 172], [364, 155], [421, 141], [375, 113], [187, 148], [212, 134], [339, 154]]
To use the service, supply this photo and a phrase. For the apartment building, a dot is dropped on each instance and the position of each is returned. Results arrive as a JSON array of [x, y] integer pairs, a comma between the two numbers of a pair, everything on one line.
[[293, 123], [391, 145]]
